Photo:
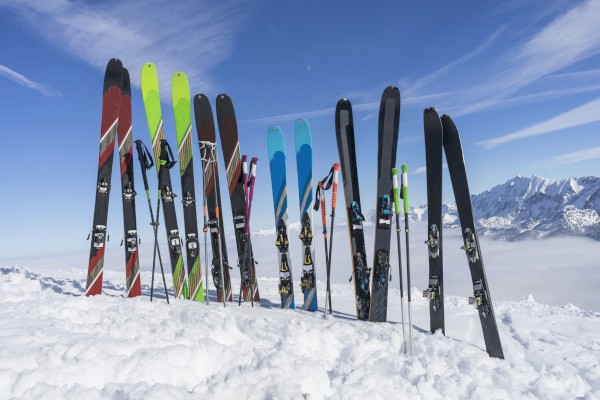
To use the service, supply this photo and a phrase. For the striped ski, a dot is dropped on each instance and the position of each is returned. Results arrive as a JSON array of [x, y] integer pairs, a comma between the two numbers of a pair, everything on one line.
[[276, 149], [233, 163], [160, 148], [111, 99], [130, 239], [303, 142], [205, 127], [182, 112]]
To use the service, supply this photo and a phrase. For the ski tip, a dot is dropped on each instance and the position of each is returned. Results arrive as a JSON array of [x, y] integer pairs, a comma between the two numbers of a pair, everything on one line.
[[126, 87], [343, 104], [429, 109]]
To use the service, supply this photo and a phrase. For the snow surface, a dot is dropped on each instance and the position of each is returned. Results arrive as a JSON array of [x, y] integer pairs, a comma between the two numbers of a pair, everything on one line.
[[56, 343]]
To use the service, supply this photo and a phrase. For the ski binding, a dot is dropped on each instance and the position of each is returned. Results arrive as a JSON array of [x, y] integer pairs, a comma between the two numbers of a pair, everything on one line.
[[433, 292], [433, 241], [470, 246]]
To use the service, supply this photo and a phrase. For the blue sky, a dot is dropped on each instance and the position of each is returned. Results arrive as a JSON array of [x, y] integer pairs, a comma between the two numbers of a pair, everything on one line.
[[520, 78]]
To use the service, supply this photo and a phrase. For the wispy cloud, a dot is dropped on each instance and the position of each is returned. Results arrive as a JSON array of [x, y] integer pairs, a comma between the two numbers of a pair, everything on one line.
[[436, 75], [582, 115], [577, 156], [22, 80], [189, 36]]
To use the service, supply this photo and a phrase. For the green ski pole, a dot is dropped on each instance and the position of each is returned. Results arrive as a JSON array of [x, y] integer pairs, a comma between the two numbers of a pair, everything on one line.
[[406, 211], [398, 240]]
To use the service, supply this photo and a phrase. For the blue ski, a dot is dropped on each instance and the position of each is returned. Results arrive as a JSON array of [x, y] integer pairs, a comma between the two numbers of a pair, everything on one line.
[[303, 141], [276, 147]]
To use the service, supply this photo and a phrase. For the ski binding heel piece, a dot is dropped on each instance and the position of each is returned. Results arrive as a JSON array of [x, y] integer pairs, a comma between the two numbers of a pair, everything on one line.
[[192, 244], [480, 299], [433, 292]]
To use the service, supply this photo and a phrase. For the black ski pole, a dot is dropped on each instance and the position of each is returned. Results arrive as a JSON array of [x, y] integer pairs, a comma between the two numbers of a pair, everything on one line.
[[398, 240], [408, 288], [146, 162]]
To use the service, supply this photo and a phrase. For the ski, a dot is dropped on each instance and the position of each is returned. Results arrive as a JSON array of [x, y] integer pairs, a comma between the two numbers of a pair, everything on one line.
[[481, 293], [344, 130], [389, 120], [164, 155], [130, 238], [233, 163], [182, 112], [111, 100], [303, 142], [205, 127], [276, 147], [433, 161]]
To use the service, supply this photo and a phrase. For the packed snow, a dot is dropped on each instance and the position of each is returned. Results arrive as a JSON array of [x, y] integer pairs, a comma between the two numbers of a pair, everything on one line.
[[57, 343]]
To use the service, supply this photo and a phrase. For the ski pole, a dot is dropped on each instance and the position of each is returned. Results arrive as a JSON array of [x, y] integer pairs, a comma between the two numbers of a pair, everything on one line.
[[336, 168], [398, 240], [243, 262], [321, 192], [250, 256], [408, 288], [146, 162], [205, 230]]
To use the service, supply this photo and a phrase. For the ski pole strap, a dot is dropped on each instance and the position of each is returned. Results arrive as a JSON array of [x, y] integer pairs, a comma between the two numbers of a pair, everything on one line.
[[405, 188], [396, 191], [166, 155], [321, 199], [144, 156], [325, 184], [336, 168]]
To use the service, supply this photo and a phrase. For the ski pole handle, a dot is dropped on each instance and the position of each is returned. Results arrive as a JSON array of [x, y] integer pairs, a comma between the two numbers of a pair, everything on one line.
[[143, 162], [405, 188], [336, 168], [323, 214], [396, 191]]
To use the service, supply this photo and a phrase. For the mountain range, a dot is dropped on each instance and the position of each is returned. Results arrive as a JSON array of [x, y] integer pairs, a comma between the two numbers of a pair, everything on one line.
[[530, 207]]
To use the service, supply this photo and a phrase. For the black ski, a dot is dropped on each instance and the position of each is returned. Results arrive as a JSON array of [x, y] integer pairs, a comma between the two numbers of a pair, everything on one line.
[[481, 293], [205, 126], [344, 130], [433, 157], [389, 120], [233, 163]]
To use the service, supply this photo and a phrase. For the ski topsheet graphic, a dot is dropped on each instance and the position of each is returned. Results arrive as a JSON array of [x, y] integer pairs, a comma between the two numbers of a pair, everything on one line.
[[130, 238], [111, 100], [303, 142], [182, 112], [205, 127], [276, 147], [233, 162], [164, 155]]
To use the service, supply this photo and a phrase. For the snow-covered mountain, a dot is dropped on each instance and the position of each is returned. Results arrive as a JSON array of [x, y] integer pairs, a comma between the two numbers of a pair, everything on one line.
[[531, 207]]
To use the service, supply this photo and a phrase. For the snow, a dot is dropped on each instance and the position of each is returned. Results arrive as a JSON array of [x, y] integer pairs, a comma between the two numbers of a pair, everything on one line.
[[56, 343]]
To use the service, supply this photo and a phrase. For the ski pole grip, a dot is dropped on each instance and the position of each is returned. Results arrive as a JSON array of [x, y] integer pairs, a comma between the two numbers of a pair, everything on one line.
[[405, 188], [396, 191], [323, 215], [245, 164], [336, 168]]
